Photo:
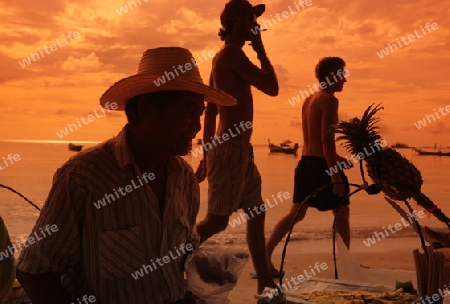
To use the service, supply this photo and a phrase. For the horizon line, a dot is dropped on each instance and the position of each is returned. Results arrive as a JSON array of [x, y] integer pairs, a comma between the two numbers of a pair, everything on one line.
[[49, 141]]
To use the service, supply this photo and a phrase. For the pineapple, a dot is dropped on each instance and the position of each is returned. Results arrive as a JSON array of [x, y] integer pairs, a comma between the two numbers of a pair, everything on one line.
[[398, 177]]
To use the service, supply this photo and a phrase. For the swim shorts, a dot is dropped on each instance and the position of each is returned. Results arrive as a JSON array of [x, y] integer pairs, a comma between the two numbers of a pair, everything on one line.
[[234, 181], [311, 174]]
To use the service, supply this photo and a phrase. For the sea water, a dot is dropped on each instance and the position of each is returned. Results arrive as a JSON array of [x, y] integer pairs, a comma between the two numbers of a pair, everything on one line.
[[32, 176]]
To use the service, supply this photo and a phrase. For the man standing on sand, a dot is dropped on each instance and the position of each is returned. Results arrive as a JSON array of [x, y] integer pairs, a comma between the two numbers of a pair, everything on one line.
[[319, 119], [234, 180]]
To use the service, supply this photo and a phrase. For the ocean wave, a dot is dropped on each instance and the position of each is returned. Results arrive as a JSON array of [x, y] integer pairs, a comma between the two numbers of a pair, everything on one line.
[[308, 235]]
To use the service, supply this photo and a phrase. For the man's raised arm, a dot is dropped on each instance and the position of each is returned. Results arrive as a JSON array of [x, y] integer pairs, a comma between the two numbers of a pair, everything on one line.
[[209, 129], [263, 78], [266, 66]]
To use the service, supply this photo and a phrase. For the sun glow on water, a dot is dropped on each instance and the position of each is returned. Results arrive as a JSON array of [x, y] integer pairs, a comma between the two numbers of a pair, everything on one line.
[[48, 141]]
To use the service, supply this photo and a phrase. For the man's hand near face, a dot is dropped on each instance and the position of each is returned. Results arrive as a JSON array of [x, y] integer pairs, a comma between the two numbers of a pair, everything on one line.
[[200, 174]]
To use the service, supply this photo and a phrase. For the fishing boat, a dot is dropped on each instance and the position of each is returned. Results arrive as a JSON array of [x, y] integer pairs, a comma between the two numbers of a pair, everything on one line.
[[73, 147], [435, 153], [399, 145], [283, 149], [286, 143]]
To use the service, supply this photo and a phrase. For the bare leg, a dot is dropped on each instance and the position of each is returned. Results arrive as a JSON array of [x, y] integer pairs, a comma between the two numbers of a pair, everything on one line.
[[211, 225], [257, 247], [343, 224], [282, 228]]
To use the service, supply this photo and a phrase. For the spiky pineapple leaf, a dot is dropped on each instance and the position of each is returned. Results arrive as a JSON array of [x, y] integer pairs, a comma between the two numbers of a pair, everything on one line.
[[360, 133]]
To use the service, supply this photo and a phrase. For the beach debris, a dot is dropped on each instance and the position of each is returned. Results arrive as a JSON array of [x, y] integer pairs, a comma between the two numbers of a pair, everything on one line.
[[212, 272], [356, 297]]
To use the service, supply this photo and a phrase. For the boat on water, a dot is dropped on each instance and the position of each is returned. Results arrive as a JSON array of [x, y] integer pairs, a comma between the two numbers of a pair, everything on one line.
[[288, 149], [399, 145], [76, 148], [286, 143], [435, 153]]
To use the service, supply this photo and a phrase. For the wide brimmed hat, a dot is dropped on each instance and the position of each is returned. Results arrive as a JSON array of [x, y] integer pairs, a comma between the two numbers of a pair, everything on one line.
[[236, 8], [159, 71]]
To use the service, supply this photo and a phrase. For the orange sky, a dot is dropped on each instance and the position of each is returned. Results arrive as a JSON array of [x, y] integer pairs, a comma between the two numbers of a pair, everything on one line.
[[41, 98]]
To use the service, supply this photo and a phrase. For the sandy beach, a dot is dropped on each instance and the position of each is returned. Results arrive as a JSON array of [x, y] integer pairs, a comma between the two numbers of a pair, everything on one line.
[[387, 254]]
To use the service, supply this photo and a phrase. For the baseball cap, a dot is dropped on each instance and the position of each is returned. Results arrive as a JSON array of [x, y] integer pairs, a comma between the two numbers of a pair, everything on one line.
[[236, 8]]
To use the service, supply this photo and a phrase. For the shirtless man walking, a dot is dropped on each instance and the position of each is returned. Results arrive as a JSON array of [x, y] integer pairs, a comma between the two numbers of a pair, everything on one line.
[[234, 181], [319, 118]]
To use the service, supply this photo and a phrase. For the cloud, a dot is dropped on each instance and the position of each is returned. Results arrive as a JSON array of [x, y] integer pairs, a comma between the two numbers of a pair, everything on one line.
[[410, 81], [437, 128], [83, 64]]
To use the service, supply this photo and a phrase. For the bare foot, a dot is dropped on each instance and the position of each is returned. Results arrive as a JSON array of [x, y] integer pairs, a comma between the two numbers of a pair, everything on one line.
[[271, 296], [261, 287]]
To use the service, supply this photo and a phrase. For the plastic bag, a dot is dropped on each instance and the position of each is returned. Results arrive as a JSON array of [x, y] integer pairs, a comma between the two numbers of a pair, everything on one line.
[[212, 272], [350, 270]]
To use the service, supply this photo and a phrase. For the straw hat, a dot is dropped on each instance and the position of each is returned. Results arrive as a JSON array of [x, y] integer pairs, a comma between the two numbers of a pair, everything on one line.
[[159, 71]]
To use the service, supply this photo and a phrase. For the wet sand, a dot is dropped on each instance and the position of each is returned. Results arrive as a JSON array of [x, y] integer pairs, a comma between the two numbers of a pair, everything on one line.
[[387, 254]]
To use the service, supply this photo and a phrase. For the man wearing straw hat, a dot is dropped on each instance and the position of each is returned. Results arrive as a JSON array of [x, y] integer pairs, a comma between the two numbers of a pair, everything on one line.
[[126, 208], [233, 179]]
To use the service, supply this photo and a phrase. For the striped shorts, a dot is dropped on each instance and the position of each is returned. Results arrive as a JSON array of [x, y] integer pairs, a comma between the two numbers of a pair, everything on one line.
[[234, 181]]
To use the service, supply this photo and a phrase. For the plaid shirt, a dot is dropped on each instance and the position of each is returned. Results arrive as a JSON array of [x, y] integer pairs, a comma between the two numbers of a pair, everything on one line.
[[96, 250]]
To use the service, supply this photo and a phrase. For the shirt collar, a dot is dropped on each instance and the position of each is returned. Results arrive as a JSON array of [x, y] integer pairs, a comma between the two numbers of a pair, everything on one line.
[[122, 150]]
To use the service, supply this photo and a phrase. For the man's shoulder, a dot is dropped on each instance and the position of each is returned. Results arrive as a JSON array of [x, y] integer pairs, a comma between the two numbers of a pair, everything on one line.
[[323, 99], [93, 157], [182, 165], [231, 51]]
